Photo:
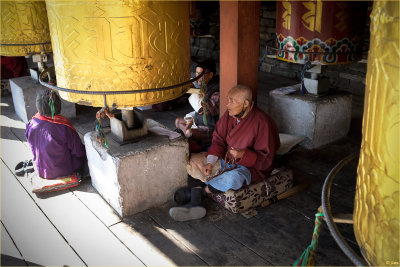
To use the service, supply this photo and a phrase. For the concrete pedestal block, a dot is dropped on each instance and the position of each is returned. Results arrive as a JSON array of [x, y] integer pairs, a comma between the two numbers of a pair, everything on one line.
[[24, 90], [321, 120], [138, 176]]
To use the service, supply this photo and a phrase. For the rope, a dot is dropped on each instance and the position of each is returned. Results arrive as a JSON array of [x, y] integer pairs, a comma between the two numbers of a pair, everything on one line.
[[51, 103], [307, 66], [101, 137], [203, 102], [308, 256]]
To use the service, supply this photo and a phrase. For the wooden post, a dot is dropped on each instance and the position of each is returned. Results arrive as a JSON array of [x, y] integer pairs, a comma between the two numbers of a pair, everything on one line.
[[239, 46]]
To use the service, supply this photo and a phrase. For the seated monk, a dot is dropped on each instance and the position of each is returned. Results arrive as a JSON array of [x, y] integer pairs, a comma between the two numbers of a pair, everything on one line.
[[245, 139], [200, 137], [55, 144]]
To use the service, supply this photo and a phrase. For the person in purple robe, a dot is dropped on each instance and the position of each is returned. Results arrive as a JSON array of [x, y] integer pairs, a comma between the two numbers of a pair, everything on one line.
[[246, 140], [56, 146]]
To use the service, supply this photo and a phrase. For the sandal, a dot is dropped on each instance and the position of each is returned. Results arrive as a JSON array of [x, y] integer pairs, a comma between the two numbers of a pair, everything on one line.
[[24, 167]]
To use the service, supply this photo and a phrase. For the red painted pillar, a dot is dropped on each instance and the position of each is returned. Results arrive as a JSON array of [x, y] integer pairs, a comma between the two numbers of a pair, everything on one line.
[[239, 46]]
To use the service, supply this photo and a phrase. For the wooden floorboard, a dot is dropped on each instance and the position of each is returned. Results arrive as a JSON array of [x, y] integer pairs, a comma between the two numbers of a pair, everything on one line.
[[206, 240], [10, 254], [89, 196], [154, 245], [36, 238]]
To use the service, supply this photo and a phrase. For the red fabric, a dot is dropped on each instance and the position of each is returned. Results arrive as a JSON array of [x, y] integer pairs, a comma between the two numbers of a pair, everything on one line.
[[194, 147], [12, 67], [256, 133], [59, 119]]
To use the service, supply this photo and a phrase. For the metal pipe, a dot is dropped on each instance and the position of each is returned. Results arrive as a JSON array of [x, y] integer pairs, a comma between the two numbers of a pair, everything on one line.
[[326, 207], [114, 92]]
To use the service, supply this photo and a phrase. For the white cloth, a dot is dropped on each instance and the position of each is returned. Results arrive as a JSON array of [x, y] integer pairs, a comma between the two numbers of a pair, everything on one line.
[[195, 102]]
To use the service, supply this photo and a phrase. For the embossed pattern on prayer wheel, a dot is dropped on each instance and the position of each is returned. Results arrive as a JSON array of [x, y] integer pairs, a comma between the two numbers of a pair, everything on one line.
[[376, 212], [120, 46], [332, 27], [23, 22]]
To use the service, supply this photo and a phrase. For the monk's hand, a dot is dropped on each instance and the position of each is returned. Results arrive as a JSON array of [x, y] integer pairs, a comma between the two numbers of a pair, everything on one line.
[[207, 169], [188, 125], [236, 153]]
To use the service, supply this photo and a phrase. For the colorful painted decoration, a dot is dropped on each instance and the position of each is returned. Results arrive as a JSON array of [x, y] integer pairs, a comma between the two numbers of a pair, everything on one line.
[[316, 31]]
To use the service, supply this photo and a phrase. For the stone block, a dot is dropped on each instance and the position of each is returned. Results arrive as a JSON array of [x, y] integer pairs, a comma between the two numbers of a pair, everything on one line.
[[318, 86], [267, 22], [266, 67], [352, 77], [137, 176], [24, 90], [263, 29], [271, 30], [283, 72], [321, 120], [264, 36], [269, 14]]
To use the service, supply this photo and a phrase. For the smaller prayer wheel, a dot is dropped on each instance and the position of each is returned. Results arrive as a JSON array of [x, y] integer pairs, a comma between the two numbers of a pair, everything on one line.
[[24, 28], [332, 30]]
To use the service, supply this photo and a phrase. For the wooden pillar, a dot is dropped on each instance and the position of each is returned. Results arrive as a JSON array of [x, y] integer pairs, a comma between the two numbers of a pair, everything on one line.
[[239, 46]]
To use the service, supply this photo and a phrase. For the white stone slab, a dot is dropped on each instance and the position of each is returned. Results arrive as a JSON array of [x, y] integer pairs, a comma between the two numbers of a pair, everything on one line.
[[137, 176], [321, 120]]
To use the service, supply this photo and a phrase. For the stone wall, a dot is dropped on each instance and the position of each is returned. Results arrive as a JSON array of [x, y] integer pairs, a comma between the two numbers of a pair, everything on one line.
[[204, 43]]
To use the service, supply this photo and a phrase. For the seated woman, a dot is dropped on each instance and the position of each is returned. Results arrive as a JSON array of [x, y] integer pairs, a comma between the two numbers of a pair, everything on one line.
[[207, 116], [55, 144]]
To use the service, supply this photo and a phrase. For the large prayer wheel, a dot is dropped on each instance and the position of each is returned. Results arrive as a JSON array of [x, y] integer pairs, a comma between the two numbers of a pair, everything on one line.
[[24, 28], [120, 46], [376, 212], [334, 29]]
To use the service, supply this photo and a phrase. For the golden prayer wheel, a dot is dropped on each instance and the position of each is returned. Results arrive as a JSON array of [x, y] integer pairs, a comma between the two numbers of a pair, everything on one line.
[[120, 46], [376, 212], [24, 28]]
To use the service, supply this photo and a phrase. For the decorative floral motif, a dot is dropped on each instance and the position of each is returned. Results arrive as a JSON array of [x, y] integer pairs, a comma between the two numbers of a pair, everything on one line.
[[255, 194], [331, 51]]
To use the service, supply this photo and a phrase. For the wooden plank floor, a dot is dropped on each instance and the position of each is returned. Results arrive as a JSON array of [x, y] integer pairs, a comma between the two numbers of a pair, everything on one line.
[[77, 227]]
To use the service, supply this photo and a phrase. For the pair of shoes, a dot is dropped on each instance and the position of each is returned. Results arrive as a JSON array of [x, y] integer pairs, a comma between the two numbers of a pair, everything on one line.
[[24, 167], [191, 211], [182, 195], [187, 212]]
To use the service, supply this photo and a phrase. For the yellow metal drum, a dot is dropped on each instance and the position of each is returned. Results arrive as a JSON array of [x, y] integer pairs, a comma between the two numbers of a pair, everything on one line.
[[24, 22], [376, 214], [120, 45]]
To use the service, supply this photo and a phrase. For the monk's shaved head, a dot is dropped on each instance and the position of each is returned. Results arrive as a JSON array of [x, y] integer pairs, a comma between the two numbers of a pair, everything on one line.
[[242, 91]]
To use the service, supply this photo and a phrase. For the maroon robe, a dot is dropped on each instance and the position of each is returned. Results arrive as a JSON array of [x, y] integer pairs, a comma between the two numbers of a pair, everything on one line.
[[256, 133]]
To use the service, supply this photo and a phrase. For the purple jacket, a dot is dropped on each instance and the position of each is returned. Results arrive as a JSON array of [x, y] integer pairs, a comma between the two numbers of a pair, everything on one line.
[[57, 149]]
